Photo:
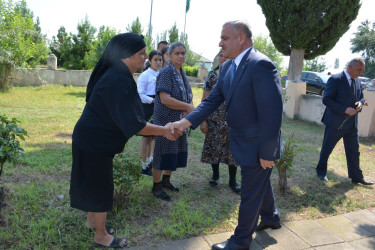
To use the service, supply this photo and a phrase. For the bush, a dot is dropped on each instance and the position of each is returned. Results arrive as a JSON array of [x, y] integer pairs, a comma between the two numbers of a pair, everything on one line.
[[126, 174], [286, 161], [191, 70], [10, 147]]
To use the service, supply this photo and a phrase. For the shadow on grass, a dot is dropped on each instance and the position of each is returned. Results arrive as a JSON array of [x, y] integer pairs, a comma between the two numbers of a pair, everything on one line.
[[77, 94]]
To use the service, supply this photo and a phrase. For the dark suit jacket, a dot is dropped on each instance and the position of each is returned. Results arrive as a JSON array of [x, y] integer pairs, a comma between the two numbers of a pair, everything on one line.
[[254, 108], [337, 97]]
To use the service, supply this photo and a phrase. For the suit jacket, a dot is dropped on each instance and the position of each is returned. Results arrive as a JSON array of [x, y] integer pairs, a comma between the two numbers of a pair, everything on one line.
[[337, 97], [253, 103]]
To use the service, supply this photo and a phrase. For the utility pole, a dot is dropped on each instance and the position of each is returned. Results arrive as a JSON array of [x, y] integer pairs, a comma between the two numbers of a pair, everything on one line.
[[149, 27]]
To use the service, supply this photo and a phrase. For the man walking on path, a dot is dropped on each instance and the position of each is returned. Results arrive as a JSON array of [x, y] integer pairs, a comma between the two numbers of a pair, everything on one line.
[[343, 98]]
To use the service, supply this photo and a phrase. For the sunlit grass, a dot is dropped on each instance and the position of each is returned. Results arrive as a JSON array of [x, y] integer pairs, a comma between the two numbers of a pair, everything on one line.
[[38, 214]]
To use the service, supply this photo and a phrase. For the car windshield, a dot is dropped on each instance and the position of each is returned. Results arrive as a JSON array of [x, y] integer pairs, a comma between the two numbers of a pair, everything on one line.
[[324, 77]]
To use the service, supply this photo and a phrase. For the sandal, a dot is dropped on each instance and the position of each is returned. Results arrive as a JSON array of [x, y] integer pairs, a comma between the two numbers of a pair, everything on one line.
[[114, 244], [107, 228]]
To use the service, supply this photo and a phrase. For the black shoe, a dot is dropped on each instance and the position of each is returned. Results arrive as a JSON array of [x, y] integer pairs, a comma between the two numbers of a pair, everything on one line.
[[171, 187], [236, 188], [262, 226], [147, 171], [323, 178], [363, 182], [214, 182], [227, 245], [161, 195]]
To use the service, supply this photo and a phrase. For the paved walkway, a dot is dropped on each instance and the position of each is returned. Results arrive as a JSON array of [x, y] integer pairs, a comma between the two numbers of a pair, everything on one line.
[[354, 230]]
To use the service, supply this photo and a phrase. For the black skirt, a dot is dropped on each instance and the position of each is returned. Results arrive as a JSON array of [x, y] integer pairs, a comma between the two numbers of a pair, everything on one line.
[[91, 184]]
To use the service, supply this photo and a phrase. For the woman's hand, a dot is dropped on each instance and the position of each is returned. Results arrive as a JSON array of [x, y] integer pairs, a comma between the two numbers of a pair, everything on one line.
[[170, 132], [204, 127]]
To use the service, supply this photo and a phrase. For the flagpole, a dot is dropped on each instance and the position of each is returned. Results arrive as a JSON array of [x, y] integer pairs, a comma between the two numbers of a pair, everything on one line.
[[184, 27], [149, 27]]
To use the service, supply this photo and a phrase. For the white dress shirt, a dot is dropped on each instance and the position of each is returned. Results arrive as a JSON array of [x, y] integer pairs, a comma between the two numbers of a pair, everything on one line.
[[146, 85]]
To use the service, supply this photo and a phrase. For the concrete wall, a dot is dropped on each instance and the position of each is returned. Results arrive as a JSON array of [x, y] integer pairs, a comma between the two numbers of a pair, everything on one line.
[[299, 105], [311, 108], [36, 77]]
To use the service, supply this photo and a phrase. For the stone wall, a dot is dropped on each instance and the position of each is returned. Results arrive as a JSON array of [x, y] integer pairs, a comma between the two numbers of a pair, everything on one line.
[[36, 77]]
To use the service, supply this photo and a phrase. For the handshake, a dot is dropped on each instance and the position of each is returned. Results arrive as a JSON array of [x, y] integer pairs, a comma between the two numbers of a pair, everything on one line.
[[173, 130]]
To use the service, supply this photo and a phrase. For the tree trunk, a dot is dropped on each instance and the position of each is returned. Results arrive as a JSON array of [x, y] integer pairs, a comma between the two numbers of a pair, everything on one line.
[[5, 71], [296, 64], [282, 180]]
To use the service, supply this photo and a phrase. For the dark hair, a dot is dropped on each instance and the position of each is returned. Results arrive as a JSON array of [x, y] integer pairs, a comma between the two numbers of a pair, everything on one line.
[[154, 53], [162, 42], [164, 50], [174, 45]]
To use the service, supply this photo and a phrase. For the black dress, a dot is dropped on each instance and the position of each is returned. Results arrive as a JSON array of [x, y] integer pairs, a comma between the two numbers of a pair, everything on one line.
[[112, 115]]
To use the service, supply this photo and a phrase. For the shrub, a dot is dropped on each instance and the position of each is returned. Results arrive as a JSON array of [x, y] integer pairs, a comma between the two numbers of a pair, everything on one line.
[[10, 147], [286, 161], [126, 174], [191, 70]]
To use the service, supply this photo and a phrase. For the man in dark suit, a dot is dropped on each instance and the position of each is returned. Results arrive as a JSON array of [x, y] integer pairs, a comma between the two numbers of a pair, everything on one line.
[[250, 86], [343, 98]]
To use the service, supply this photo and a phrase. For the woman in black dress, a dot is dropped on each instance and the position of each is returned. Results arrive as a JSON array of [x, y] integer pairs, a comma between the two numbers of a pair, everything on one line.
[[113, 113]]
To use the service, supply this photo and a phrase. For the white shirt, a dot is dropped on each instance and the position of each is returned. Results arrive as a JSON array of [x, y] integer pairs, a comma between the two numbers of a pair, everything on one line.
[[238, 59], [146, 85], [349, 78]]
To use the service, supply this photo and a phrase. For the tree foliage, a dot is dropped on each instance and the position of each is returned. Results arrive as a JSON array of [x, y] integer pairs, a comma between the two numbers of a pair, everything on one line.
[[364, 41], [135, 27], [173, 34], [265, 45], [98, 45], [21, 42], [306, 29], [71, 49], [317, 64]]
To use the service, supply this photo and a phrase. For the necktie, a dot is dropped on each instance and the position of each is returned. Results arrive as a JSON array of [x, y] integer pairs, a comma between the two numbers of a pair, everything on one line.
[[232, 71], [352, 86]]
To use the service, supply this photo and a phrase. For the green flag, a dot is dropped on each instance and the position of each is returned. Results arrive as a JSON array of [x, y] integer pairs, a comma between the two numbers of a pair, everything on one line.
[[187, 5]]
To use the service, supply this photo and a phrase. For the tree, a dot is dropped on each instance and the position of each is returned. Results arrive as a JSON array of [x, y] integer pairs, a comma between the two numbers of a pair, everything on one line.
[[173, 34], [307, 29], [102, 39], [265, 45], [81, 45], [61, 46], [21, 45], [318, 64], [191, 57], [135, 27], [364, 41]]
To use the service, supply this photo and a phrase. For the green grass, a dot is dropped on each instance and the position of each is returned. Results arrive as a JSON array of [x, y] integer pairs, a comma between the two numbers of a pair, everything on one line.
[[36, 215]]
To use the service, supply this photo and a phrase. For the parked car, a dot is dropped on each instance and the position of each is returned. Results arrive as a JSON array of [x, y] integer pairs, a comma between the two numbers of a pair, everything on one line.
[[315, 82], [364, 81]]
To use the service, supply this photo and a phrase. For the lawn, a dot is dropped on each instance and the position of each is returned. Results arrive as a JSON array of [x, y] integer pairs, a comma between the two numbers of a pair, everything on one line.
[[38, 215]]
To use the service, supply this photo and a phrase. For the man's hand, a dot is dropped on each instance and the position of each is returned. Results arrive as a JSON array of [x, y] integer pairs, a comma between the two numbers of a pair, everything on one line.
[[170, 132], [358, 106], [266, 164], [182, 124], [351, 111], [204, 127]]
